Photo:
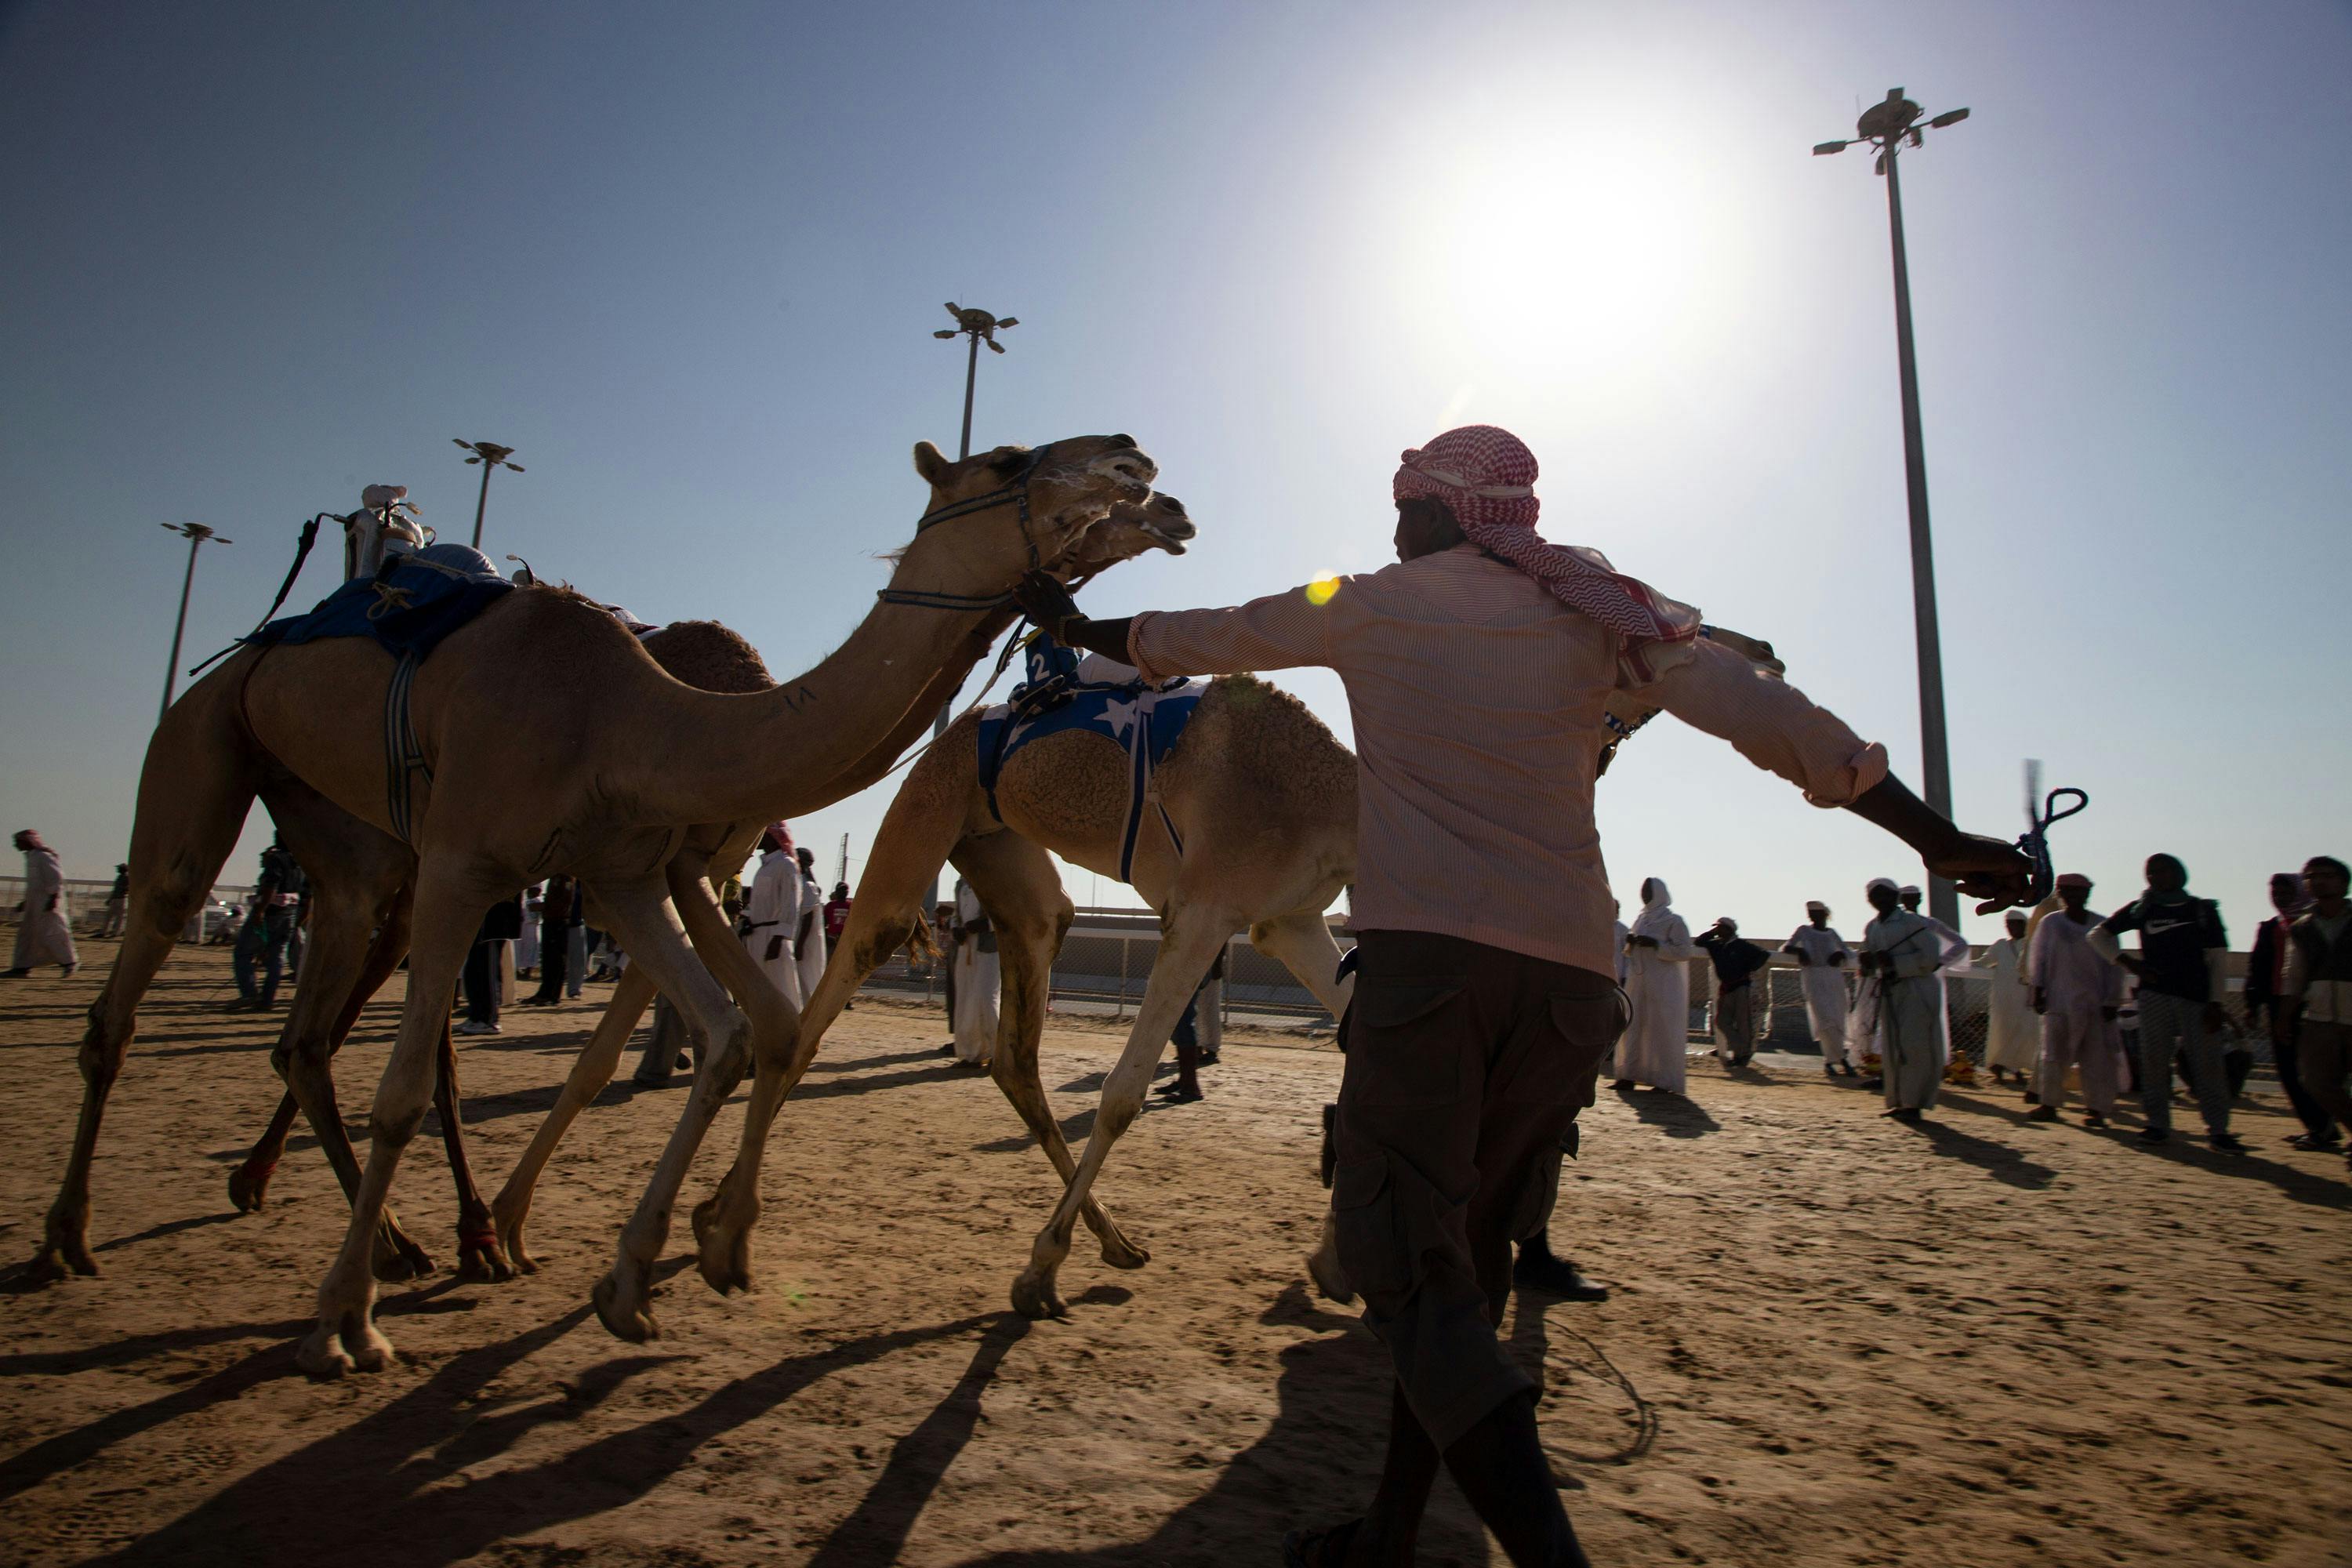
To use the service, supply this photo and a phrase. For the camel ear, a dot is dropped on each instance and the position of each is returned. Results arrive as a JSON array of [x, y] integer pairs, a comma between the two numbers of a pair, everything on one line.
[[930, 462]]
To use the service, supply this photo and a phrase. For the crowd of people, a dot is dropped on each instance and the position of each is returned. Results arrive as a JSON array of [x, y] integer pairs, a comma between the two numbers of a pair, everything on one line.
[[2065, 1000]]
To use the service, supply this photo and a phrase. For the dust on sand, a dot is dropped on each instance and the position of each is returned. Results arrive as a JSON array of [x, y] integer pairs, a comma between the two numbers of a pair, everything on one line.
[[1834, 1340]]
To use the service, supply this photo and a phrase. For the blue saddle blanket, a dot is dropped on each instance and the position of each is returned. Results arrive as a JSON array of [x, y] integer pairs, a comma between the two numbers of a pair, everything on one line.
[[409, 607], [1098, 696]]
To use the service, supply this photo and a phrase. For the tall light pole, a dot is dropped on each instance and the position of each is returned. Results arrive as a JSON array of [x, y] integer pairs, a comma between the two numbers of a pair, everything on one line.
[[197, 536], [490, 455], [1887, 125], [980, 328]]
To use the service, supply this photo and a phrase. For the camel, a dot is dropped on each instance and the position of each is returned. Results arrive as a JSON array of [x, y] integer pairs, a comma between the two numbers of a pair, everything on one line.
[[603, 774], [1261, 797], [710, 658]]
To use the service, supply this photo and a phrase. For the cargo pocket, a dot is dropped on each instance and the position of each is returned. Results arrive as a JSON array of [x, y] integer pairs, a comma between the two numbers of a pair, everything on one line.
[[1363, 1214], [1402, 1051]]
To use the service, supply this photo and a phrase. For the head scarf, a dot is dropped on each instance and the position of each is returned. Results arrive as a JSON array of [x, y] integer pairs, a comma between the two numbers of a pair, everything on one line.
[[1486, 476], [2074, 880], [1886, 882], [1656, 909], [777, 838], [1812, 904]]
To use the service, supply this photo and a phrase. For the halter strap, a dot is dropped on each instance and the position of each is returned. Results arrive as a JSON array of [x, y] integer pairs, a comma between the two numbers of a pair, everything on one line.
[[1015, 494]]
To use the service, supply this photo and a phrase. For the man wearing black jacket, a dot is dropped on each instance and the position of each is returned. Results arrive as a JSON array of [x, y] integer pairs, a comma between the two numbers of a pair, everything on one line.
[[2265, 973]]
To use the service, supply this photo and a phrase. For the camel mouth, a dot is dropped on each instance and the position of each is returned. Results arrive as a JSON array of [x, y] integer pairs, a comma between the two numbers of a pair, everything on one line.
[[1130, 466], [1170, 536]]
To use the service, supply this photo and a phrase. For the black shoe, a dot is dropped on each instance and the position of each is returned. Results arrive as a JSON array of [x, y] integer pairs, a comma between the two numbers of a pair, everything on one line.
[[1622, 1085], [13, 973], [948, 1049], [1555, 1276], [1907, 1114], [1873, 1083], [2032, 1098], [1177, 1094], [2227, 1142], [2042, 1114], [2314, 1143], [1208, 1059], [2154, 1135], [1847, 1069], [2095, 1123]]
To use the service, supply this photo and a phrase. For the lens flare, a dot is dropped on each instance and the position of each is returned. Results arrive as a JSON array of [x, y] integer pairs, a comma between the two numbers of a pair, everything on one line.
[[1322, 589]]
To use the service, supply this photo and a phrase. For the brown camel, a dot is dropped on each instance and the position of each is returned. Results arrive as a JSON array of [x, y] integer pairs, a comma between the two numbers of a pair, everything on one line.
[[1129, 531], [604, 774], [1261, 797], [710, 658]]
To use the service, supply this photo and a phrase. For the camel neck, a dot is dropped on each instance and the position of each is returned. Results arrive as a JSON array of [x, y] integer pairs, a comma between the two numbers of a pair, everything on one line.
[[780, 753]]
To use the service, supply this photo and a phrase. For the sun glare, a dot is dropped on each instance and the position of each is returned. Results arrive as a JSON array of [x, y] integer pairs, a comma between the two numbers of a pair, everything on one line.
[[1554, 251]]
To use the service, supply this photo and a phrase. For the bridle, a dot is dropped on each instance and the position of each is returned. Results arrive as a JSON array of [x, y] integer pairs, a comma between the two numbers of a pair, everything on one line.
[[1017, 494]]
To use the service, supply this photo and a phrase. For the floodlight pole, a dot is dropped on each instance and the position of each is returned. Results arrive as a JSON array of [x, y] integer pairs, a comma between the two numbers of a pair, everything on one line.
[[490, 455], [974, 325], [1887, 125], [196, 534]]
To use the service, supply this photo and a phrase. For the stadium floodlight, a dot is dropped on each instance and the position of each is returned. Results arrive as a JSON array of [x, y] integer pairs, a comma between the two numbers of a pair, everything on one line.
[[490, 455]]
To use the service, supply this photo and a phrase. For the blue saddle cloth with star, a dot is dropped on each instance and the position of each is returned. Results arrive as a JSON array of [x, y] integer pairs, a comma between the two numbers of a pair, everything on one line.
[[1098, 696], [409, 606]]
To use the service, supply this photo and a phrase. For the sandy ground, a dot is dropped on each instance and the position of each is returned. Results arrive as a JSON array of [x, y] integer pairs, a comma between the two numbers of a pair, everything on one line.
[[1832, 1340]]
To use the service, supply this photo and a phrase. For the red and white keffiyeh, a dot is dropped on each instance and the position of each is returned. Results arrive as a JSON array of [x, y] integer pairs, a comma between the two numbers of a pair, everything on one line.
[[1486, 477]]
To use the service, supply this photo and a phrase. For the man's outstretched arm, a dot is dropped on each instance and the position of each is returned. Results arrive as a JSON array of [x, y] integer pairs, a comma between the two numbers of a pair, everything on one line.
[[1778, 727]]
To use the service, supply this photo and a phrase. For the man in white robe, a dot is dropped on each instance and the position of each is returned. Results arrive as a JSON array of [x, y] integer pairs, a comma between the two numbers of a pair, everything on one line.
[[1903, 953], [1823, 961], [808, 927], [1655, 1048], [1956, 948], [977, 980], [44, 935], [769, 917], [2079, 995], [2012, 1039]]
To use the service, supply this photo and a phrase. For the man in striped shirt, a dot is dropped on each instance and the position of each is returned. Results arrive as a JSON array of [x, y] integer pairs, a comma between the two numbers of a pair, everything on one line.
[[1478, 671]]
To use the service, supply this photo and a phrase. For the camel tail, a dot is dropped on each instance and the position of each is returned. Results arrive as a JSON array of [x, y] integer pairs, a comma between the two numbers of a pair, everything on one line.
[[920, 944]]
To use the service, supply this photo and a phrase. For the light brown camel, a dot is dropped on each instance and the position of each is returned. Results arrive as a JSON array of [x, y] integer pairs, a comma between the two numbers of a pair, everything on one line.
[[1261, 796], [602, 772], [709, 658], [1130, 530]]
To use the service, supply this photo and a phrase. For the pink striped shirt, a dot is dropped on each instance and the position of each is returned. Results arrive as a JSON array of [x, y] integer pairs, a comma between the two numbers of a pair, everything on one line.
[[1477, 699]]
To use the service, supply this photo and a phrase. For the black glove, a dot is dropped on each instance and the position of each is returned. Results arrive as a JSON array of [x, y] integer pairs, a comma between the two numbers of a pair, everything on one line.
[[1044, 599]]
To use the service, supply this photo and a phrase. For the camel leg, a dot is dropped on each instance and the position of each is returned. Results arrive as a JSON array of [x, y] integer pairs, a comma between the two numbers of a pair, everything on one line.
[[478, 1253], [632, 995], [192, 800], [1303, 945], [724, 1221], [639, 912], [248, 1185], [1189, 944], [1015, 880], [448, 910], [305, 1051]]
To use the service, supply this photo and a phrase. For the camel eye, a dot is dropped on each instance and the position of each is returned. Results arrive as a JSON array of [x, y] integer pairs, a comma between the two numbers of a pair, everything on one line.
[[1006, 459]]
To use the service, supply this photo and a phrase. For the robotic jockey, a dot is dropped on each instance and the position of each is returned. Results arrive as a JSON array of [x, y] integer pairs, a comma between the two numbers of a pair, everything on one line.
[[384, 525]]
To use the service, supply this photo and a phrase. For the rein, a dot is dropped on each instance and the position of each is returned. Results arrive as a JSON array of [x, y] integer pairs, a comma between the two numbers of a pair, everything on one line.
[[301, 553]]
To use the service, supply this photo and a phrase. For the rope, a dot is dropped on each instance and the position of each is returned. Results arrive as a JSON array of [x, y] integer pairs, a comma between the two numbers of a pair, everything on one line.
[[301, 553]]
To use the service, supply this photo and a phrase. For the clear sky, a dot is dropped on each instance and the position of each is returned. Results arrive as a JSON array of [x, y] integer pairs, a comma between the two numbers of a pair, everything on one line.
[[686, 261]]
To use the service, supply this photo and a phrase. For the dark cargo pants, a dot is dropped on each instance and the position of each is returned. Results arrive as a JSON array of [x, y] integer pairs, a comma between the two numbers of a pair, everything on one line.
[[1465, 1065]]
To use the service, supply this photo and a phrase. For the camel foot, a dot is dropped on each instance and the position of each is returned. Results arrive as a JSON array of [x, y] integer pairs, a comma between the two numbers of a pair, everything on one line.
[[1121, 1253], [56, 1259], [248, 1187], [725, 1258], [1033, 1295], [483, 1259], [350, 1344], [396, 1257], [509, 1228], [620, 1301], [1330, 1279]]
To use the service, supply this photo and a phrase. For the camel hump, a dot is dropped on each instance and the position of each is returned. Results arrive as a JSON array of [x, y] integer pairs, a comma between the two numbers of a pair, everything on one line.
[[709, 656]]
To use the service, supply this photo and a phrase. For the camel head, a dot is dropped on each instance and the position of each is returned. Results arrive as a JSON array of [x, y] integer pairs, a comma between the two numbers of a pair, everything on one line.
[[977, 537], [1157, 523]]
